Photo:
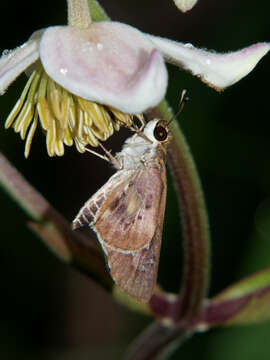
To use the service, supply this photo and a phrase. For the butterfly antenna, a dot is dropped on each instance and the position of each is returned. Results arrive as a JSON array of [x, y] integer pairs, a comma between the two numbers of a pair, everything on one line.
[[139, 130], [183, 100]]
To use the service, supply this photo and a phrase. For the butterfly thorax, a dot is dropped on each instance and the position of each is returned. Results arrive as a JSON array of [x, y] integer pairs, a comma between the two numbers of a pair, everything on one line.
[[139, 151]]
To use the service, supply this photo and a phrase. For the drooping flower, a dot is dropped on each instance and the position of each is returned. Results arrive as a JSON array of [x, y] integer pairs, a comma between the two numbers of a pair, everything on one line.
[[87, 78]]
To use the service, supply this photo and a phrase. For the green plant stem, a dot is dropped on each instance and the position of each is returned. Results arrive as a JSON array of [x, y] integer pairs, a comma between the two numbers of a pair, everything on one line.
[[71, 247], [194, 219], [16, 186], [79, 13], [156, 342]]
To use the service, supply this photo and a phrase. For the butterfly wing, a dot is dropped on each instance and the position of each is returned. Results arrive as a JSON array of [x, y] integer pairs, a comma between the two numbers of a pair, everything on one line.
[[127, 214], [128, 218], [92, 209], [136, 272]]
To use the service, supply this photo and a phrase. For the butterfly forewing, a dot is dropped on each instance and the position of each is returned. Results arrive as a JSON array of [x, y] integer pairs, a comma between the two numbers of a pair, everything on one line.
[[127, 219], [90, 211]]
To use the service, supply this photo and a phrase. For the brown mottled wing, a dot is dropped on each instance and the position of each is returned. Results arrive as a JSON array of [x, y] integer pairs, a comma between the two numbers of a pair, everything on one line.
[[124, 211], [91, 210], [127, 219], [127, 214], [136, 273]]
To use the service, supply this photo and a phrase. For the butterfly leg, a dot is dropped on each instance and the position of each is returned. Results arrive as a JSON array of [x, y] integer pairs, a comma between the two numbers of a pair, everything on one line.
[[111, 158], [98, 155], [141, 133], [140, 117], [121, 162]]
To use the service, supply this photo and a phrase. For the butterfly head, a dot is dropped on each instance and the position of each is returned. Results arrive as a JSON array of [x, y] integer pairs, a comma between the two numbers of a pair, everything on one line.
[[146, 144], [157, 131]]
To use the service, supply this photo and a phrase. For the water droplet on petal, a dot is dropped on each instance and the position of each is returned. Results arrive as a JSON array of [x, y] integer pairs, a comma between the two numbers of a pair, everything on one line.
[[189, 45], [99, 46], [5, 52], [63, 71]]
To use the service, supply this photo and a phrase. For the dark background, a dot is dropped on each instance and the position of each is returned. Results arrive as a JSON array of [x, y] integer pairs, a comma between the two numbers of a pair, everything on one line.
[[49, 311]]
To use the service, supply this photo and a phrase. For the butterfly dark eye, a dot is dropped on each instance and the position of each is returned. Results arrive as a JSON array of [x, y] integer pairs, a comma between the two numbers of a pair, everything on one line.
[[160, 133]]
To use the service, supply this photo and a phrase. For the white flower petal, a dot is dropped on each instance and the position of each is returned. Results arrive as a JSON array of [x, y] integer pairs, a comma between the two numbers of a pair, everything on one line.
[[14, 62], [185, 5], [110, 63], [217, 70]]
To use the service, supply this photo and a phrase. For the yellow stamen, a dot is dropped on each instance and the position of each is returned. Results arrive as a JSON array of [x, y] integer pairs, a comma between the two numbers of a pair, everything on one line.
[[65, 118], [30, 135]]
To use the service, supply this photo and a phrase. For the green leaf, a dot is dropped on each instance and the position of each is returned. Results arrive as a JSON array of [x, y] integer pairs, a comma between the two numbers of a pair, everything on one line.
[[256, 310], [246, 302], [251, 284], [97, 12]]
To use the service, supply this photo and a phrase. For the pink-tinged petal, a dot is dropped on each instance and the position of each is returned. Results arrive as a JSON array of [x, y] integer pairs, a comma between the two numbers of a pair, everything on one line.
[[14, 62], [110, 63], [217, 70], [185, 5]]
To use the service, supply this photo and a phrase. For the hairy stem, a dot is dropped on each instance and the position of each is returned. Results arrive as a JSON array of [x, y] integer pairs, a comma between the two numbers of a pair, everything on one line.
[[79, 13], [157, 342], [194, 219], [71, 247], [22, 192]]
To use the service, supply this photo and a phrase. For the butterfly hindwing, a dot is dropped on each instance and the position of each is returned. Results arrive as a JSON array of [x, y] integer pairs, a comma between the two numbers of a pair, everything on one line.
[[136, 273]]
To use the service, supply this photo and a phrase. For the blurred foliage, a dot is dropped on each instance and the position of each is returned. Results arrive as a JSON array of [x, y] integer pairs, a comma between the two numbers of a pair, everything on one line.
[[51, 312]]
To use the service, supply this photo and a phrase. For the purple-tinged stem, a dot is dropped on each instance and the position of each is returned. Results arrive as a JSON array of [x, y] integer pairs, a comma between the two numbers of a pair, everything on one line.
[[157, 341], [71, 247], [179, 314], [195, 223]]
